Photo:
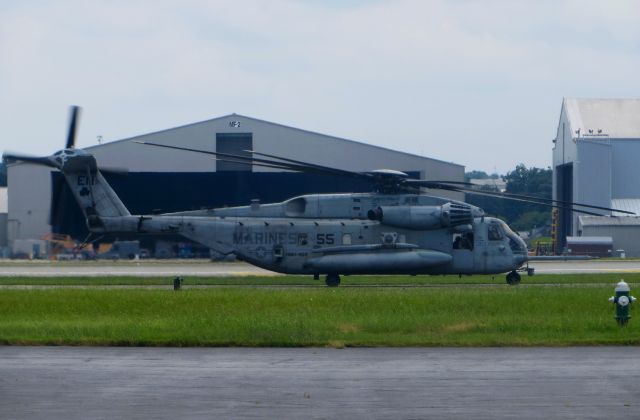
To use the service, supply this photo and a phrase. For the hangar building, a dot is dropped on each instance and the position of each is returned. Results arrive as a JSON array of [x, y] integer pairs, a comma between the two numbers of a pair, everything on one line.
[[595, 161], [165, 180]]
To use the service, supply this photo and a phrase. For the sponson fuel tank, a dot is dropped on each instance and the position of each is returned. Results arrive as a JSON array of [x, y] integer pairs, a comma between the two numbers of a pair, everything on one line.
[[423, 217], [378, 262]]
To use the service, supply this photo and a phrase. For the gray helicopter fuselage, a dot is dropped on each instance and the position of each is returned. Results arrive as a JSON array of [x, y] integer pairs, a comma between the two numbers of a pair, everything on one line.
[[346, 246], [320, 233]]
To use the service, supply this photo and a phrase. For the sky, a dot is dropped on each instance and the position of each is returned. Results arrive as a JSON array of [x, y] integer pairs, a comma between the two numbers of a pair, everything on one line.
[[478, 83]]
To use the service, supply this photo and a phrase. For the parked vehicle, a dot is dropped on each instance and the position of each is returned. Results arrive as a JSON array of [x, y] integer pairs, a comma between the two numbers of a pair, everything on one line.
[[121, 250]]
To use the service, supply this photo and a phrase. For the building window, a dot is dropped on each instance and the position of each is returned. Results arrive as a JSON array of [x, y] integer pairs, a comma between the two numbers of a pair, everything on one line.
[[234, 144]]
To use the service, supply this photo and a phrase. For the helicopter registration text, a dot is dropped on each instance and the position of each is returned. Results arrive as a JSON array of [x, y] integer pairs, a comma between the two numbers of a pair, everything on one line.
[[281, 238]]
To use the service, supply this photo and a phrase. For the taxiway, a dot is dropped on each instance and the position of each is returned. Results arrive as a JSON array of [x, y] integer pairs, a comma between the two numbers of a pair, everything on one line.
[[203, 268], [443, 383]]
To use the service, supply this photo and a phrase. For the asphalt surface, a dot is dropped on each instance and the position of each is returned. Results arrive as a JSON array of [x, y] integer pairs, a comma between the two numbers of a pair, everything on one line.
[[442, 383], [191, 268], [200, 268]]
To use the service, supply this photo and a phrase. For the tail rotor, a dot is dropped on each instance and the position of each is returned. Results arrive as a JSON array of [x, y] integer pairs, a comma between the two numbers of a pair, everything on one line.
[[58, 159]]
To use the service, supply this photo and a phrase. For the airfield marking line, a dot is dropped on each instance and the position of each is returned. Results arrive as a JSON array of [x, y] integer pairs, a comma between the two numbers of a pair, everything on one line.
[[589, 270]]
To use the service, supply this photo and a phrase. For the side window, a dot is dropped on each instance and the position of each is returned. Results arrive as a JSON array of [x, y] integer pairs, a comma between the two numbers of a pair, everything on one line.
[[463, 241], [494, 233]]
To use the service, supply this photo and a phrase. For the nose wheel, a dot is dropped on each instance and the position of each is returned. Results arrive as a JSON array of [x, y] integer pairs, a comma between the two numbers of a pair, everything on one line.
[[332, 280], [513, 278]]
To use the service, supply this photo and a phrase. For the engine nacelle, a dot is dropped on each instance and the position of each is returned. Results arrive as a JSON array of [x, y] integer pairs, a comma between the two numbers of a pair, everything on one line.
[[423, 217]]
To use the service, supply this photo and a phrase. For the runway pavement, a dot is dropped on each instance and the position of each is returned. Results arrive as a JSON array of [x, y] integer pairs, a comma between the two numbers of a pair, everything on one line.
[[143, 268], [442, 383], [589, 266], [203, 268]]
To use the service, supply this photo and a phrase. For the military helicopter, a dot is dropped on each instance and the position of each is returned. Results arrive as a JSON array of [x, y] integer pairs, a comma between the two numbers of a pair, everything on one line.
[[395, 229]]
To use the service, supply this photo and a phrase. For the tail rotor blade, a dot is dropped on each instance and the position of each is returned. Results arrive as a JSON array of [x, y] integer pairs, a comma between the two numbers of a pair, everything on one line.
[[74, 114], [15, 157], [57, 199]]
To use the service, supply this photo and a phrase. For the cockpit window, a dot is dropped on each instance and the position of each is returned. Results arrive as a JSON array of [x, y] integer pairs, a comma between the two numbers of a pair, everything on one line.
[[495, 232], [508, 230]]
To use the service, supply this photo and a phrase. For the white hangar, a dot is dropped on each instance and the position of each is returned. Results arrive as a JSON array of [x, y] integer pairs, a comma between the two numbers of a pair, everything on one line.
[[595, 161]]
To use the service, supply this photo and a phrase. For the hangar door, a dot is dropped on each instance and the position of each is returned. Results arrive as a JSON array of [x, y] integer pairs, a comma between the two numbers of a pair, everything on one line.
[[234, 144], [564, 188]]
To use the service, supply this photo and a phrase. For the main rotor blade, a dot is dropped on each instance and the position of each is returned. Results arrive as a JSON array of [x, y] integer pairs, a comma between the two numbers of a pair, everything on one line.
[[74, 114], [253, 160], [314, 166], [510, 196], [566, 203], [418, 182], [264, 165], [524, 200]]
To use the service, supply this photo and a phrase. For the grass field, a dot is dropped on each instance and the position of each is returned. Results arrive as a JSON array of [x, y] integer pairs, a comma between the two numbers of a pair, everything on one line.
[[403, 280], [497, 315]]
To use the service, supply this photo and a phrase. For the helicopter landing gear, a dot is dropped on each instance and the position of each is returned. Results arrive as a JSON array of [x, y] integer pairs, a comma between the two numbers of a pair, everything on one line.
[[332, 280], [513, 278]]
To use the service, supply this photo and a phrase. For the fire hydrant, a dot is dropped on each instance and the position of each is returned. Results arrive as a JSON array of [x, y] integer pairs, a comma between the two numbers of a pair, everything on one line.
[[623, 301]]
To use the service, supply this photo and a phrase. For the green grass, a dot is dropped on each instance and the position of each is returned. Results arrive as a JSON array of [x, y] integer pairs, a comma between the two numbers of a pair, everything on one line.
[[337, 317], [498, 279]]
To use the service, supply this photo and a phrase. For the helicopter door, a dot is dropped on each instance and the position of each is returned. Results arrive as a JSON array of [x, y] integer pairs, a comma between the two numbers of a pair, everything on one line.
[[490, 255], [462, 251]]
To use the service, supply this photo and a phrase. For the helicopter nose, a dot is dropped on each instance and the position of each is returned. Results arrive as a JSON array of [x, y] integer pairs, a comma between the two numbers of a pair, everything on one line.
[[521, 257]]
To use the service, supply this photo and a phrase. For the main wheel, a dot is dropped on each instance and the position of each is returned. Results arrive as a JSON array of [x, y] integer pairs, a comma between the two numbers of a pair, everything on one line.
[[513, 278], [332, 280]]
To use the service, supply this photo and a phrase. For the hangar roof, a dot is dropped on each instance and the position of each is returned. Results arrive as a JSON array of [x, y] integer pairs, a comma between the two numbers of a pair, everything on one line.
[[277, 125], [589, 240], [609, 221], [627, 204], [617, 118]]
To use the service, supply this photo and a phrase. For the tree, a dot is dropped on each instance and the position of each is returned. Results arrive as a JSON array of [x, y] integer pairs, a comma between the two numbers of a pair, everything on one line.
[[475, 175], [526, 181]]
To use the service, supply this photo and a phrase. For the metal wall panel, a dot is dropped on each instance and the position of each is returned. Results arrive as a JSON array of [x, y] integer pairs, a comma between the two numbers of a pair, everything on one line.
[[624, 237], [3, 229], [29, 197], [593, 173], [626, 168]]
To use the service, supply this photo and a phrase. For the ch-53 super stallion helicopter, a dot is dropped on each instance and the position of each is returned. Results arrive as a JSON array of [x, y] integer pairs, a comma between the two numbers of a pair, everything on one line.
[[395, 229]]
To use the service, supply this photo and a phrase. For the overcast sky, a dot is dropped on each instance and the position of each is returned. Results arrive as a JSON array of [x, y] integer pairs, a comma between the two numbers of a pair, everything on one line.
[[479, 83]]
